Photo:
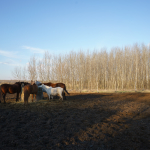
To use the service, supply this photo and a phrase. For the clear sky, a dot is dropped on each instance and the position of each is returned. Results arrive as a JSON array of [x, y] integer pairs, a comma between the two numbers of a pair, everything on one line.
[[31, 27]]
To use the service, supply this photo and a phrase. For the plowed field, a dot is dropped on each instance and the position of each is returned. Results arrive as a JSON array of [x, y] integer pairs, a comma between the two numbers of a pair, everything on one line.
[[99, 121]]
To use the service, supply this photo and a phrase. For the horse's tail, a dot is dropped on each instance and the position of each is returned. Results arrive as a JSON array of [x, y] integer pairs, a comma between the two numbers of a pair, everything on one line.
[[26, 95], [66, 90]]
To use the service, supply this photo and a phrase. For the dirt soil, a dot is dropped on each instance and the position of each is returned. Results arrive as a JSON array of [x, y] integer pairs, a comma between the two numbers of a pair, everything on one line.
[[97, 121]]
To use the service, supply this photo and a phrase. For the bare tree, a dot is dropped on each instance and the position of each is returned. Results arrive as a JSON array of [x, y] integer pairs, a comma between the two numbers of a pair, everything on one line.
[[17, 73], [121, 68], [32, 68], [24, 73], [40, 69]]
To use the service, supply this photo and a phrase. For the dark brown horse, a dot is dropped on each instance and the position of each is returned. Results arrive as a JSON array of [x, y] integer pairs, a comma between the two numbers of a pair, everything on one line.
[[11, 89], [62, 85], [30, 89]]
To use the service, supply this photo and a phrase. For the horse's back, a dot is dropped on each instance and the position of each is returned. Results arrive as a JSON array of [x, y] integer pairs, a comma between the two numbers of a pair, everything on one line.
[[59, 90], [53, 91], [62, 85], [27, 88], [31, 89], [35, 89], [48, 84], [5, 88]]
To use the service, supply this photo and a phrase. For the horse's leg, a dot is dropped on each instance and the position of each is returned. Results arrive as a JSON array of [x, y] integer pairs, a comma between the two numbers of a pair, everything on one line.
[[48, 97], [27, 99], [0, 94], [20, 96], [26, 96], [32, 97], [4, 98], [17, 97], [62, 97], [59, 97], [0, 97]]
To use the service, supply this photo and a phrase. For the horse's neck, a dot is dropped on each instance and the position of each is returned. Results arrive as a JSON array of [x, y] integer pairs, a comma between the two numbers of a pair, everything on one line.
[[48, 87], [45, 87]]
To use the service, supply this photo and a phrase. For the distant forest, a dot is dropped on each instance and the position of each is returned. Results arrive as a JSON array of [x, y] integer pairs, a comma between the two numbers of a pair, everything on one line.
[[121, 68]]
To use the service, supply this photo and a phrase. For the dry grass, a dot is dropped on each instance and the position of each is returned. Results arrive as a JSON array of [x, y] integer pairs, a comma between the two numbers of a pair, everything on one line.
[[83, 121]]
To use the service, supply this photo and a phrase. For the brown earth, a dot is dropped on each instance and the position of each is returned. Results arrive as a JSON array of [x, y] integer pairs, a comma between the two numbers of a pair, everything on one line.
[[101, 121]]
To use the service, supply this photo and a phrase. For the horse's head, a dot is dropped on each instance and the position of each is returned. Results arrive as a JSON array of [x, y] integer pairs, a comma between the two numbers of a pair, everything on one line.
[[38, 83], [22, 84], [19, 83], [32, 82], [25, 83]]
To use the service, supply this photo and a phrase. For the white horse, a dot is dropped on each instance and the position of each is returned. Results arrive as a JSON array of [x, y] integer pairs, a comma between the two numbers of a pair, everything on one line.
[[53, 91]]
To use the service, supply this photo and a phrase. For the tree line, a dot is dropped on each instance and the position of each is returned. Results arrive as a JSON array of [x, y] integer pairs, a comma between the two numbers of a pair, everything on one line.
[[121, 68]]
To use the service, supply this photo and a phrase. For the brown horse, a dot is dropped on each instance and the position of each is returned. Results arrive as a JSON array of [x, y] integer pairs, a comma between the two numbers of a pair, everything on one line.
[[62, 85], [11, 89], [30, 89]]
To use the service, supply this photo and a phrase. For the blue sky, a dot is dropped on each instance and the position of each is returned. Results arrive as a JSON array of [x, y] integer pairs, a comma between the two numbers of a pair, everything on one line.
[[31, 27]]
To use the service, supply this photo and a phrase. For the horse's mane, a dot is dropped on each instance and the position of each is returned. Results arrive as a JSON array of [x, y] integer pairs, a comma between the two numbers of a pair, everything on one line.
[[17, 82], [25, 83]]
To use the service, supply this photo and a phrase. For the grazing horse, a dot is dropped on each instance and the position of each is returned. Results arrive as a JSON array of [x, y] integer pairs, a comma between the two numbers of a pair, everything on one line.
[[53, 91], [62, 85], [11, 89], [30, 89]]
